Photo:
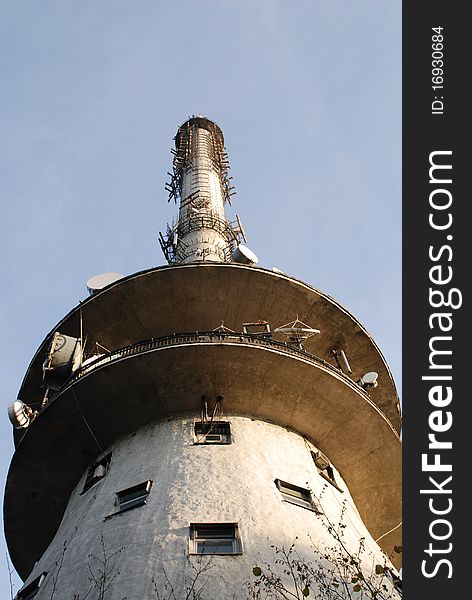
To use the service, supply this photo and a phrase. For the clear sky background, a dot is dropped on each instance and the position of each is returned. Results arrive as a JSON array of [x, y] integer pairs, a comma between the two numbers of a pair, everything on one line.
[[308, 94]]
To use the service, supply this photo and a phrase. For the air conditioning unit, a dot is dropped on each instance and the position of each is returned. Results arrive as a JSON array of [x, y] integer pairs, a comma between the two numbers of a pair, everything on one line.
[[214, 437], [321, 460]]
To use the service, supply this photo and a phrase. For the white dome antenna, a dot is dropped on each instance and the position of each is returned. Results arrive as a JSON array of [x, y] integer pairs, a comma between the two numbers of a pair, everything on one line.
[[20, 414], [98, 282], [369, 380]]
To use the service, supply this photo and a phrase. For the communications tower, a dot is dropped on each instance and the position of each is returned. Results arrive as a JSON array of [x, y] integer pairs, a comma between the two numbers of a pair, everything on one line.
[[183, 420]]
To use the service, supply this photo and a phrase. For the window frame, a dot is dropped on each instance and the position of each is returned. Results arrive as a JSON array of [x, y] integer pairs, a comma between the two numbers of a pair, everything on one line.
[[91, 479], [31, 588], [136, 502], [212, 436], [195, 540], [308, 502]]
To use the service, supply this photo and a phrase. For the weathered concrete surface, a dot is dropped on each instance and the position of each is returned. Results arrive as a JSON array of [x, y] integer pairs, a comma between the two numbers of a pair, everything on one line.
[[198, 297], [193, 483], [121, 397]]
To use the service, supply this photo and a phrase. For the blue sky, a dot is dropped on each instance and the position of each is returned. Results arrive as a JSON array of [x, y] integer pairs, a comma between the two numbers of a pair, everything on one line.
[[308, 94]]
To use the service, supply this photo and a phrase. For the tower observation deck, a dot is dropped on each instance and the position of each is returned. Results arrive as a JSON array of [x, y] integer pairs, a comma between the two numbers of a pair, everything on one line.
[[203, 410]]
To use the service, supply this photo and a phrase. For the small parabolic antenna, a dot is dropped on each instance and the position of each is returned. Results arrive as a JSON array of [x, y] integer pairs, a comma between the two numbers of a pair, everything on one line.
[[369, 380], [297, 332], [242, 254], [20, 414], [98, 282]]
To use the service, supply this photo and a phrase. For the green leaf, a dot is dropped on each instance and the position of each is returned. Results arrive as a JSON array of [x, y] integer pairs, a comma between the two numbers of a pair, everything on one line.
[[354, 579], [379, 570], [357, 588], [306, 591], [398, 549], [257, 571]]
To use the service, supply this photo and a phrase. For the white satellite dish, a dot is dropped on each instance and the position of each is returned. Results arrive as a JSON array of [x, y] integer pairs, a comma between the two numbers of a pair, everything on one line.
[[242, 254], [98, 282], [20, 414], [297, 332], [301, 331], [369, 379]]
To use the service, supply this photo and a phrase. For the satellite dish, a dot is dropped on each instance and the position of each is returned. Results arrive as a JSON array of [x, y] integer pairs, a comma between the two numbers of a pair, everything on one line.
[[98, 282], [369, 379], [242, 254], [302, 331], [20, 414], [296, 332]]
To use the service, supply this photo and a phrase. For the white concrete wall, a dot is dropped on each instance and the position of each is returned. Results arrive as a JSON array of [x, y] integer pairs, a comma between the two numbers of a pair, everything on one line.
[[194, 483]]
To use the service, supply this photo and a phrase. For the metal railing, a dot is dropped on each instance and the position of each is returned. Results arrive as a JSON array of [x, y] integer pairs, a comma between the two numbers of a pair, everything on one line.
[[204, 337]]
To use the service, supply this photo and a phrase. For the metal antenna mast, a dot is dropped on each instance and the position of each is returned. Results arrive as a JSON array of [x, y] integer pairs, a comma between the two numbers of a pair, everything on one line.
[[201, 184]]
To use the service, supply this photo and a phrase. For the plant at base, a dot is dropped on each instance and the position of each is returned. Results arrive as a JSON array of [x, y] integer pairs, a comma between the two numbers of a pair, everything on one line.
[[57, 570], [102, 572], [334, 573], [10, 572], [194, 585]]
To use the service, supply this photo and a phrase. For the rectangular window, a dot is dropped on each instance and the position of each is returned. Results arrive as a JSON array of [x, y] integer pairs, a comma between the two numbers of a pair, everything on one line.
[[212, 432], [31, 590], [297, 495], [132, 497], [97, 472], [214, 538]]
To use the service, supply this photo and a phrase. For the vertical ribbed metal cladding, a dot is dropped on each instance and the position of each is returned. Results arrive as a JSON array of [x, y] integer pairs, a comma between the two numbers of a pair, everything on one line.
[[200, 182]]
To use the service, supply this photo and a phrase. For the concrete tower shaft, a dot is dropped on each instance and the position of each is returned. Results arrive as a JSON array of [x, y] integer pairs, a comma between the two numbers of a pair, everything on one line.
[[194, 482], [201, 184]]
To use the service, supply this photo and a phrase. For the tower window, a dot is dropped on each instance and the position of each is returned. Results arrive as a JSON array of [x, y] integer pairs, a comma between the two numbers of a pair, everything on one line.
[[212, 432], [397, 582], [214, 538], [132, 497], [297, 495], [97, 472], [30, 591], [324, 468]]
